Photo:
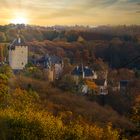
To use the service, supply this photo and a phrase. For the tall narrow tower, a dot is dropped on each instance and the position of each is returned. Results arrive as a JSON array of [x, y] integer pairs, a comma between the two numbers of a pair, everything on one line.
[[18, 54]]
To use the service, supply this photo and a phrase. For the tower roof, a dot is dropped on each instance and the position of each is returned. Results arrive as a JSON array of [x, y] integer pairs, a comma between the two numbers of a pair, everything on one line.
[[49, 60], [17, 42], [79, 71]]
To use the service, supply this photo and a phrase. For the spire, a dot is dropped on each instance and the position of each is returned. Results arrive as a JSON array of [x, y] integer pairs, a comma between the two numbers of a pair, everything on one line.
[[18, 37], [19, 40], [83, 73]]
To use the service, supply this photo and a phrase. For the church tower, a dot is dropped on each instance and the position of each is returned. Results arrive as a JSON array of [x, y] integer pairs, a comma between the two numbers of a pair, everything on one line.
[[18, 54]]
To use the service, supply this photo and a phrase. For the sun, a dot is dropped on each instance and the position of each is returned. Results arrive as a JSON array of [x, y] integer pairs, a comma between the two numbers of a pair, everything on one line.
[[19, 20]]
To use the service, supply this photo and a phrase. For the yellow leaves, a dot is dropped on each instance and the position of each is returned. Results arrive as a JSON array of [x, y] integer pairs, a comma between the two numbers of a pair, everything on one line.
[[110, 133], [3, 79], [73, 132], [4, 95], [3, 89], [66, 116], [93, 132], [23, 119], [22, 100], [6, 70], [31, 124], [77, 131], [135, 117]]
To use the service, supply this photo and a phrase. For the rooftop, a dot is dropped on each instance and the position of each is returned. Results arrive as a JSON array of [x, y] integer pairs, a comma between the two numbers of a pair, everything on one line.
[[17, 42], [79, 71], [48, 60]]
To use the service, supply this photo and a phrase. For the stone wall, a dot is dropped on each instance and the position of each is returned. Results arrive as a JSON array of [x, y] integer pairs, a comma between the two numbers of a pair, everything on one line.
[[18, 57]]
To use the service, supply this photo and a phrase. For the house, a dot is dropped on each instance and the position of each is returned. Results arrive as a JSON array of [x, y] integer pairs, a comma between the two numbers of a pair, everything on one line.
[[102, 86], [18, 54], [50, 74], [84, 73], [53, 65], [48, 60], [123, 85], [114, 85]]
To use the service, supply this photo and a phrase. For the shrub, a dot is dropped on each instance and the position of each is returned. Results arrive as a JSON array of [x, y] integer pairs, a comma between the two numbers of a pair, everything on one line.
[[6, 70], [29, 125], [41, 125]]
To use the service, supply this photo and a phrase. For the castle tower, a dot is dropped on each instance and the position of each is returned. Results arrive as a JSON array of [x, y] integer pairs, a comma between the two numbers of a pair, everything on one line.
[[18, 54]]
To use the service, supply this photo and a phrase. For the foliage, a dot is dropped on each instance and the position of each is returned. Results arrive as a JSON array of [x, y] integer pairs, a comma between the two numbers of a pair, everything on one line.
[[42, 125], [117, 45], [67, 83], [21, 99], [34, 72], [6, 70], [50, 35], [29, 125], [71, 36], [137, 73], [2, 37], [23, 119], [136, 112], [26, 102], [3, 78]]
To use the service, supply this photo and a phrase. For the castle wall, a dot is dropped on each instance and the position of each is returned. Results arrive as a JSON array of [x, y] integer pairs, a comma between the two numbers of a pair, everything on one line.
[[18, 57]]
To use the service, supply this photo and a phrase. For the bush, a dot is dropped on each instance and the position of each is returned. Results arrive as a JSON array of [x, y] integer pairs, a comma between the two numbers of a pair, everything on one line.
[[25, 119], [29, 125], [32, 125], [3, 79], [34, 72], [67, 83], [6, 70]]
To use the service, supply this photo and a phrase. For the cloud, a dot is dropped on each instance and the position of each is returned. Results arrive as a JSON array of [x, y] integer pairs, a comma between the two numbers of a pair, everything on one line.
[[138, 11], [73, 11]]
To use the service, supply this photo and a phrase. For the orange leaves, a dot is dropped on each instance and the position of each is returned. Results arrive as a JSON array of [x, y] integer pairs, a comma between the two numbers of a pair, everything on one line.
[[91, 85]]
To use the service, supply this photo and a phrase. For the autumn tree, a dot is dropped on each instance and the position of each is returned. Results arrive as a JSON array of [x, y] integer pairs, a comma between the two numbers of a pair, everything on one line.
[[2, 37], [86, 56], [136, 113], [78, 56], [71, 36], [6, 70]]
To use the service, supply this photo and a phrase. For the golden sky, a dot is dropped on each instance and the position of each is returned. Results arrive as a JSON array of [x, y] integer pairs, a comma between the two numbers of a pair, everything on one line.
[[70, 12]]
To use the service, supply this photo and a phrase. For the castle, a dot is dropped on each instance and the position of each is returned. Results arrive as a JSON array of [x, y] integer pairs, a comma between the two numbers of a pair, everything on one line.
[[18, 54], [52, 64]]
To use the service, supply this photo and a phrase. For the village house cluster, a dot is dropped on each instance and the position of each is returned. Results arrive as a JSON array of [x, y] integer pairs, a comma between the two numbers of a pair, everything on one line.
[[53, 65]]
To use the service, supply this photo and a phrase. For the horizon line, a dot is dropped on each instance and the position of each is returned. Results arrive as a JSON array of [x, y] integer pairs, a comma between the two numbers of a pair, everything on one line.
[[72, 25]]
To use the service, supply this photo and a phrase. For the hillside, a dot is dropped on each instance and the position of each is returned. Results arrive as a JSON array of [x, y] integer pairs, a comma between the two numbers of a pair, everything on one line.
[[33, 107]]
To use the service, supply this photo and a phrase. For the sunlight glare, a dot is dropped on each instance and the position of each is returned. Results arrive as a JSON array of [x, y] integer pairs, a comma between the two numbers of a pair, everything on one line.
[[19, 20]]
